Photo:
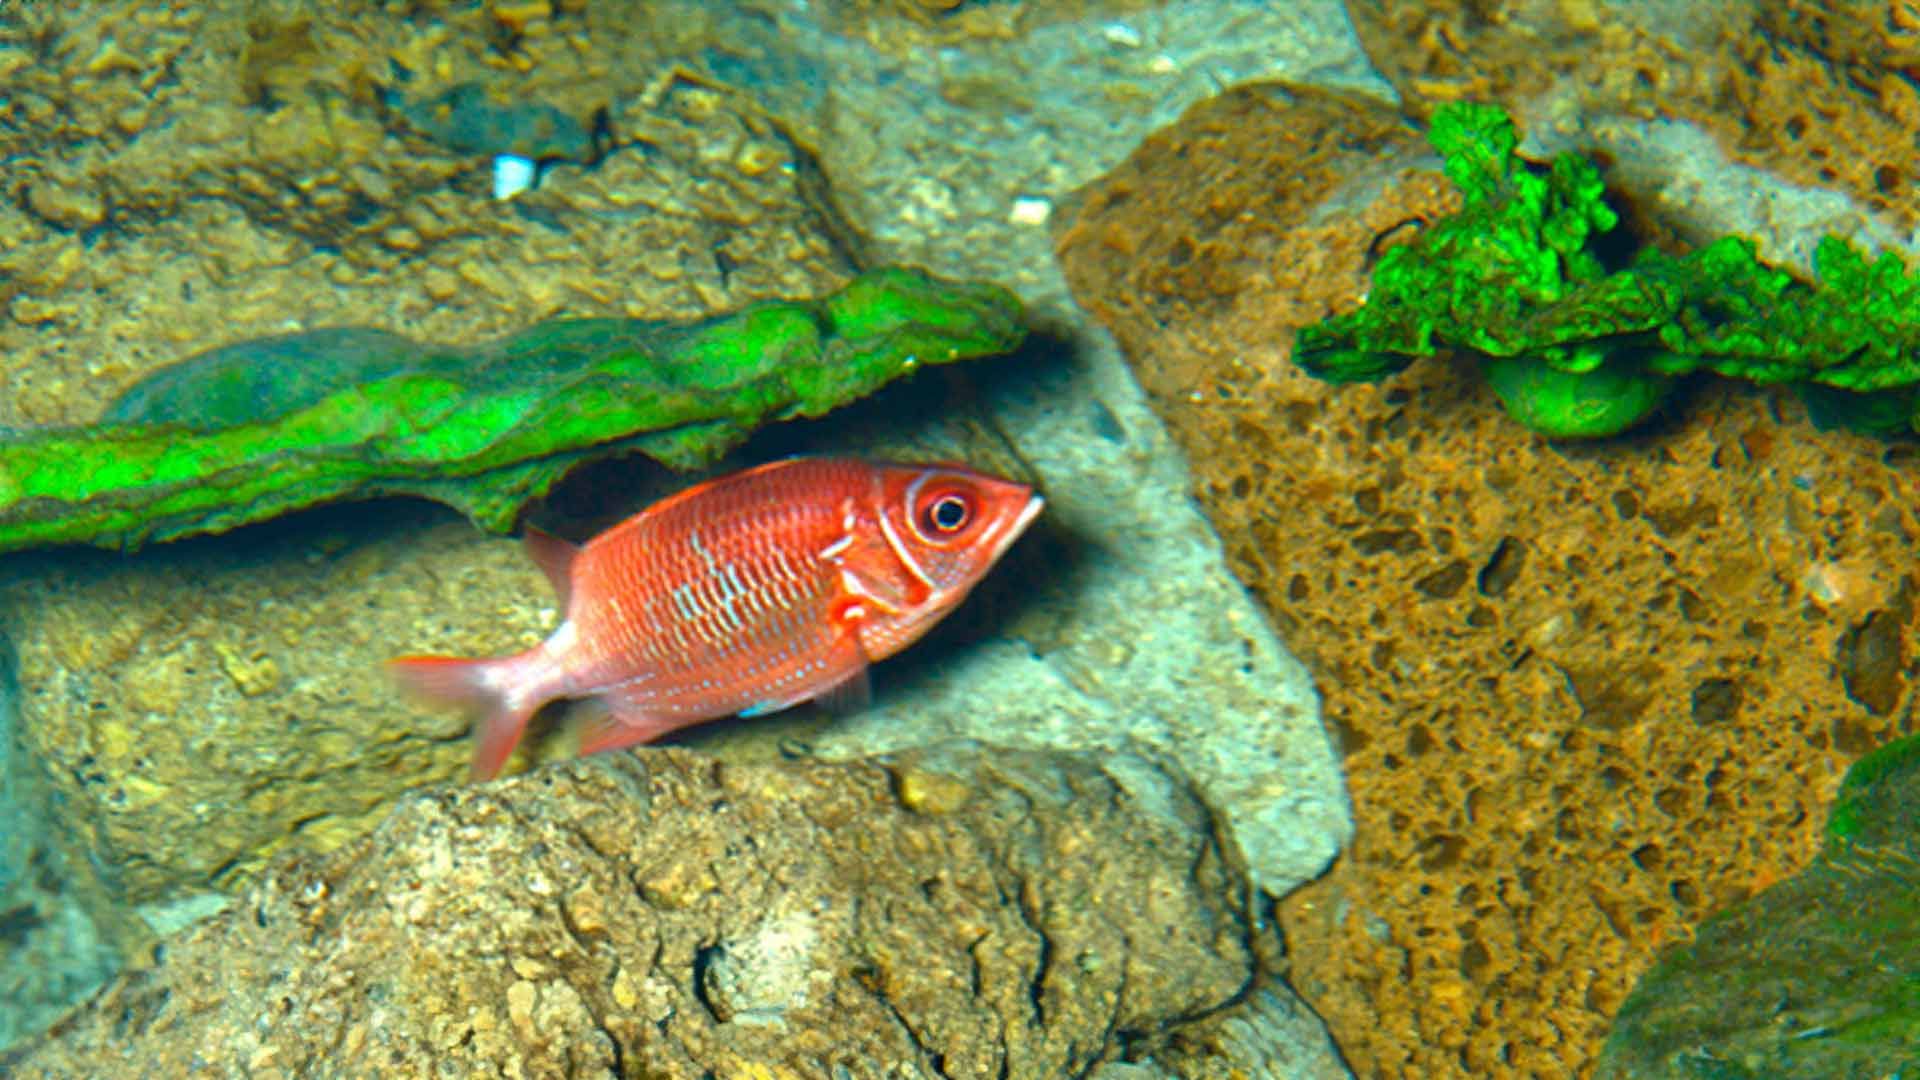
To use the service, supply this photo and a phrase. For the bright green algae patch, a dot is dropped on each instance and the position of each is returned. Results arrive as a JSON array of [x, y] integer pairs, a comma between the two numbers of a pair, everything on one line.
[[254, 430], [1818, 975], [1578, 348]]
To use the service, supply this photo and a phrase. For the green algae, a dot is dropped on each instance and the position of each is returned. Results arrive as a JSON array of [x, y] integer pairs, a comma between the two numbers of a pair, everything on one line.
[[1818, 975], [1873, 805], [248, 432], [1581, 347], [1604, 400]]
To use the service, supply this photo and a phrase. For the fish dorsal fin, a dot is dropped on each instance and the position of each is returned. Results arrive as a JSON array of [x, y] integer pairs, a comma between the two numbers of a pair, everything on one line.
[[555, 557]]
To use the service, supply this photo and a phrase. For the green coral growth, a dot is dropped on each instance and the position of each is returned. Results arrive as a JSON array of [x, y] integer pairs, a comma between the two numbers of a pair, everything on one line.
[[248, 432], [1868, 792], [1813, 976], [1576, 349]]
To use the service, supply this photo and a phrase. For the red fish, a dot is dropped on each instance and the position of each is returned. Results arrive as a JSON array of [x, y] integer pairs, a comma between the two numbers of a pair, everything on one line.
[[747, 594]]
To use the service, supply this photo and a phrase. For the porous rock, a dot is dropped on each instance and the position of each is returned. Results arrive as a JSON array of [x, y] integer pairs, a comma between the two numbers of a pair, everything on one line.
[[667, 915], [1813, 91], [1585, 694]]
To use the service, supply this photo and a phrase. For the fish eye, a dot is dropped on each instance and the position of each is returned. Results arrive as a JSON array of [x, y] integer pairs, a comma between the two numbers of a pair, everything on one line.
[[946, 514]]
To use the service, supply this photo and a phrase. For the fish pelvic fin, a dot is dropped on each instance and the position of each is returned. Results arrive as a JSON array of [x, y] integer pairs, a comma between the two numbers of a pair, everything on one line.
[[848, 696], [848, 693], [486, 689]]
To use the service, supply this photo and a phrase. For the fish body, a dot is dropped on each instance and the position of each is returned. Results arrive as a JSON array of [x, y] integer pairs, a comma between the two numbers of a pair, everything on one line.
[[747, 594]]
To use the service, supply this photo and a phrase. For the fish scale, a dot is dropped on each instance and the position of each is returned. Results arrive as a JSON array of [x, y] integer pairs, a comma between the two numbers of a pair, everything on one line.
[[774, 583], [677, 563], [747, 594]]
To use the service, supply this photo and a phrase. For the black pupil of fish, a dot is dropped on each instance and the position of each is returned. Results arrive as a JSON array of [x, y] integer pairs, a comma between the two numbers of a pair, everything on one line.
[[948, 513]]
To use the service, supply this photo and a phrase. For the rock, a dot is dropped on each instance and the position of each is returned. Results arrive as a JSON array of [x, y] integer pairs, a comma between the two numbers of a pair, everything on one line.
[[1801, 980], [467, 117], [66, 202], [263, 215], [1050, 921], [1114, 624], [51, 951], [1644, 51], [1584, 695], [1269, 1032], [288, 422], [185, 742], [1744, 73]]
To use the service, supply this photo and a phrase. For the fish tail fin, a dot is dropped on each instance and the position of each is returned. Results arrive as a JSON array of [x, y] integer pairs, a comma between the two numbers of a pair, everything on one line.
[[485, 689]]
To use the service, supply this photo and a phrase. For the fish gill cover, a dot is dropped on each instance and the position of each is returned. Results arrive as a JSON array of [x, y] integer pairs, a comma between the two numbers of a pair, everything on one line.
[[1576, 348], [253, 430]]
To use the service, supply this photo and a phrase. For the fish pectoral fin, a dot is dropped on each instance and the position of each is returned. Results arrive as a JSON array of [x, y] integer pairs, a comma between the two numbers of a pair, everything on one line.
[[615, 721]]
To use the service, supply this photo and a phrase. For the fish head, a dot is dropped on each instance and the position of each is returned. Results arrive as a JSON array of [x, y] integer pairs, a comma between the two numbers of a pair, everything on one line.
[[946, 525]]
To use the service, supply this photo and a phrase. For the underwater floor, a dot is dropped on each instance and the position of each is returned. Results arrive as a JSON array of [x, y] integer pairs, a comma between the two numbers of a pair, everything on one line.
[[1343, 713]]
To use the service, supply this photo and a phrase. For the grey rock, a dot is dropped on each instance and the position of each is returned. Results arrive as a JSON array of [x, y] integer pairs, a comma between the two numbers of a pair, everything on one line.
[[15, 842], [1161, 648], [1270, 1032], [51, 952], [1684, 175]]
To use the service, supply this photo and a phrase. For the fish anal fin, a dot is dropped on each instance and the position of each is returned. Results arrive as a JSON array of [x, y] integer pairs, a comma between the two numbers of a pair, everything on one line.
[[554, 557], [615, 721]]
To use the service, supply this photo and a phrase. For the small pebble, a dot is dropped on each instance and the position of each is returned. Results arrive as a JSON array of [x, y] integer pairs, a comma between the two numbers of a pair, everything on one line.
[[67, 203], [931, 793], [33, 310], [521, 997], [1028, 210], [512, 175]]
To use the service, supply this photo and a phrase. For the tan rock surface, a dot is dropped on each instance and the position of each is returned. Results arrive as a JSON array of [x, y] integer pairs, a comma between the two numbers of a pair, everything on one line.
[[668, 915], [205, 705], [235, 210], [1586, 693]]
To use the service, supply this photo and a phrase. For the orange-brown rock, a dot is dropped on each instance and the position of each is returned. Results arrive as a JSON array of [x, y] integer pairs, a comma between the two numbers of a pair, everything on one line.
[[1817, 91], [1842, 120], [1512, 50], [1586, 693]]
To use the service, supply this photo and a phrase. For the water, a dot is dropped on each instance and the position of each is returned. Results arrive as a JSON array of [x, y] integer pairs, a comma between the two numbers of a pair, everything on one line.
[[1554, 703]]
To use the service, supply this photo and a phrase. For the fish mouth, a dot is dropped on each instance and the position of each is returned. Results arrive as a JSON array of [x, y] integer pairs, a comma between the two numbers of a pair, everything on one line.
[[1035, 503]]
